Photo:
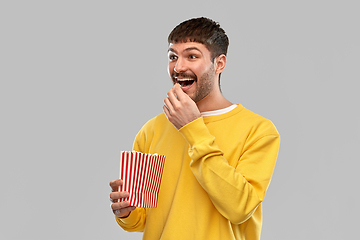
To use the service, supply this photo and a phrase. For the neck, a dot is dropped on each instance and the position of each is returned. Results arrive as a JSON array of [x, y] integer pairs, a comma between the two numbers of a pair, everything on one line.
[[213, 101]]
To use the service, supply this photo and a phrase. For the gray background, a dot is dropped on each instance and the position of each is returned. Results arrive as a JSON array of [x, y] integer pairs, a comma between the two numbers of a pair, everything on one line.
[[79, 78]]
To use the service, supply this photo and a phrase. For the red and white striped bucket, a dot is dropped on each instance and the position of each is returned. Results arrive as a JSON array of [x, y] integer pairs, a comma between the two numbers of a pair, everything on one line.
[[141, 174]]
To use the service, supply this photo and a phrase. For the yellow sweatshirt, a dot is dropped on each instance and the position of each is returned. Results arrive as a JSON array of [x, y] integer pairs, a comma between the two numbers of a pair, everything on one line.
[[216, 173]]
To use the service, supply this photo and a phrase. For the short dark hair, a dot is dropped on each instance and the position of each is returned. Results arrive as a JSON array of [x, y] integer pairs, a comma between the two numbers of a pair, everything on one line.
[[202, 30]]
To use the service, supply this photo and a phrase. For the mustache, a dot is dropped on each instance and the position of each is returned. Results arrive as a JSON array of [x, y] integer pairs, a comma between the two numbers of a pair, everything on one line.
[[184, 75]]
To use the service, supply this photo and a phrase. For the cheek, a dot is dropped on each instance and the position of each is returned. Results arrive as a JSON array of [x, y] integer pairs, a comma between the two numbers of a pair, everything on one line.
[[198, 72], [200, 68], [170, 69]]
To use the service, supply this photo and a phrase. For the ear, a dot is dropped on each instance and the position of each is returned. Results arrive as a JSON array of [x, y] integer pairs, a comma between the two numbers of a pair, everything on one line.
[[220, 63]]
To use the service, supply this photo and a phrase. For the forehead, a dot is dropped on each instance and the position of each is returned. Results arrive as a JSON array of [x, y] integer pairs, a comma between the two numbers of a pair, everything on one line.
[[188, 46]]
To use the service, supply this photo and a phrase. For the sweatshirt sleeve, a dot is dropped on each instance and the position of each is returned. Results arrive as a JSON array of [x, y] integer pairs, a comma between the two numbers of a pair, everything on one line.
[[235, 192], [135, 222]]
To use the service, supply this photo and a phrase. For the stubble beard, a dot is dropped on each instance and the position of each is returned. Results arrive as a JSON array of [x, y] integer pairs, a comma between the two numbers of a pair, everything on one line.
[[204, 85]]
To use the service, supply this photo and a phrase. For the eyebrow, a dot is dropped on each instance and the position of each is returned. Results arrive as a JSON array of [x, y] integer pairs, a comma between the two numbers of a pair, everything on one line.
[[186, 49]]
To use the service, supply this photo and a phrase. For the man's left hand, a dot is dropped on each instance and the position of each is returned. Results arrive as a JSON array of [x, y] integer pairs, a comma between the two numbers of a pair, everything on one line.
[[179, 108]]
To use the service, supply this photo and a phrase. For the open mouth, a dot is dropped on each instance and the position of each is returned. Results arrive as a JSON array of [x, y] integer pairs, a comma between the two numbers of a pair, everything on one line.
[[185, 82]]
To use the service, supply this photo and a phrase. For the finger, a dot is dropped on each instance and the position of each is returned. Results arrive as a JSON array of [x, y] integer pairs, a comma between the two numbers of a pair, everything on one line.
[[115, 184], [179, 92], [172, 98], [168, 105], [122, 209], [115, 196], [124, 212], [166, 111], [121, 205]]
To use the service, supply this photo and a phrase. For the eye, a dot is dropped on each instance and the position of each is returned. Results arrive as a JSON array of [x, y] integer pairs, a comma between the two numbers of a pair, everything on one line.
[[192, 56], [172, 57]]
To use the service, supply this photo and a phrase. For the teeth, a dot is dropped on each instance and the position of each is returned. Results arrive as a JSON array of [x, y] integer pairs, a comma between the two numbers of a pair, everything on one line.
[[183, 83], [184, 79]]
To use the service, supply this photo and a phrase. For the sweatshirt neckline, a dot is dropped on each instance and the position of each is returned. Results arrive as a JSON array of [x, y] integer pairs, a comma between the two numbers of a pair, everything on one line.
[[219, 111], [236, 110]]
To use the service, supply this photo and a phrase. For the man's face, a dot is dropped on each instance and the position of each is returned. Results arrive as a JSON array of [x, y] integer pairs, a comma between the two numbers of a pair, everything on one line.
[[190, 65]]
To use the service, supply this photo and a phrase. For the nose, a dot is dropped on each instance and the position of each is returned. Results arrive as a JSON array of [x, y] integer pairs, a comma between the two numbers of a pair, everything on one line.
[[180, 66]]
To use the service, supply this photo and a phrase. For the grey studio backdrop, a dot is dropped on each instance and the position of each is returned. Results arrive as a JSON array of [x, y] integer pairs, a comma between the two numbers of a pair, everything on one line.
[[79, 79]]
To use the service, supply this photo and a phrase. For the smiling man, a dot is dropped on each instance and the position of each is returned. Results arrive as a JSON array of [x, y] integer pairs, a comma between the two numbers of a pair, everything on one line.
[[220, 156]]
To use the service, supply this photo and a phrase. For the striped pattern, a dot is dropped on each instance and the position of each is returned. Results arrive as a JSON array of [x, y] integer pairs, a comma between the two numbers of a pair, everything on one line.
[[141, 174]]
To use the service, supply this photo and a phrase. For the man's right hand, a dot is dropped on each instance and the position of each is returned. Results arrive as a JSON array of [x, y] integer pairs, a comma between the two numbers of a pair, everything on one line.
[[120, 209]]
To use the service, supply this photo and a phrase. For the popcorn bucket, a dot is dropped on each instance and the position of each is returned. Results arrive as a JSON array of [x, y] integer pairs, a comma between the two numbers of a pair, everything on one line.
[[141, 174]]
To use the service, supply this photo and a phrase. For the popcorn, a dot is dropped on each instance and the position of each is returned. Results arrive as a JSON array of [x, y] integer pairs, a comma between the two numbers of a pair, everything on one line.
[[141, 174]]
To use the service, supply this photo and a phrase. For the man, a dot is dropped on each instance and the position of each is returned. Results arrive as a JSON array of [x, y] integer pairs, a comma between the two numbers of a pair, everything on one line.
[[219, 156]]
